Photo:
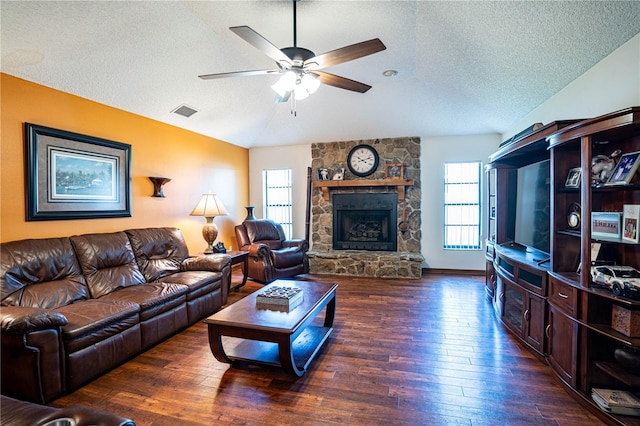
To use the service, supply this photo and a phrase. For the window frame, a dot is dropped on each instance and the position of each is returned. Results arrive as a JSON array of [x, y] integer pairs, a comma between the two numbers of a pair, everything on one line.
[[479, 205], [285, 219]]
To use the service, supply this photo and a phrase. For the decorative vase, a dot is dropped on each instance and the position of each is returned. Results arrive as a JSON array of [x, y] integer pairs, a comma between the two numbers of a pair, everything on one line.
[[250, 215]]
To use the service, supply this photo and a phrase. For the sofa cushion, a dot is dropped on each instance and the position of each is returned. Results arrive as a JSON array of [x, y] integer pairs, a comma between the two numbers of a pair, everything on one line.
[[40, 273], [287, 257], [107, 262], [153, 298], [92, 321], [159, 251], [198, 282]]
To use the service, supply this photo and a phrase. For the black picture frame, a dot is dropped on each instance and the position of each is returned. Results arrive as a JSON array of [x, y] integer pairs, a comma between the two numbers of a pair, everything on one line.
[[573, 178], [74, 176]]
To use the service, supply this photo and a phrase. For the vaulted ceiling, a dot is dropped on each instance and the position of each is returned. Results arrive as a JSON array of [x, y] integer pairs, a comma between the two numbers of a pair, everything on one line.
[[464, 67]]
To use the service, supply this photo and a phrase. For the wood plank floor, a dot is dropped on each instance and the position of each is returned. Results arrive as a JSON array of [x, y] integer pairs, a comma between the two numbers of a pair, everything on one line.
[[424, 352]]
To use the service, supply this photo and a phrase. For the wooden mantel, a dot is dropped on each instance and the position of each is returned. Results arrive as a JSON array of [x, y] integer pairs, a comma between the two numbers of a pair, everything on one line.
[[325, 185]]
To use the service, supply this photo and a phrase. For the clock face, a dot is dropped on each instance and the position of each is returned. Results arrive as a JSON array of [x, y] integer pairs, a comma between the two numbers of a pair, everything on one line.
[[363, 160], [573, 216]]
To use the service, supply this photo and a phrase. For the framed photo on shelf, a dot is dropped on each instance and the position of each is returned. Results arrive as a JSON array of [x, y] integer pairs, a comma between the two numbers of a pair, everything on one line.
[[74, 176], [573, 178], [394, 171], [625, 169], [338, 174], [323, 174], [630, 222], [606, 225]]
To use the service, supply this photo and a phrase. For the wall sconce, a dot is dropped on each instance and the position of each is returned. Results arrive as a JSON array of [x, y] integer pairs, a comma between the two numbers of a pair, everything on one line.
[[157, 185], [209, 206]]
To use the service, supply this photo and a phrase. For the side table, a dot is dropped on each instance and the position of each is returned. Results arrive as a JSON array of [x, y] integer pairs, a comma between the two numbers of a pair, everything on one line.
[[240, 257]]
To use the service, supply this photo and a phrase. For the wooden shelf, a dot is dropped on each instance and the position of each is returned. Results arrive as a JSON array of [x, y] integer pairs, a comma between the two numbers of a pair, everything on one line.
[[621, 374], [326, 185]]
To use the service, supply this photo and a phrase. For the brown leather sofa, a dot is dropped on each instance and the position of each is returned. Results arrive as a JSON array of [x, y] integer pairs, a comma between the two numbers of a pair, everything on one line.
[[73, 308], [271, 256], [14, 412]]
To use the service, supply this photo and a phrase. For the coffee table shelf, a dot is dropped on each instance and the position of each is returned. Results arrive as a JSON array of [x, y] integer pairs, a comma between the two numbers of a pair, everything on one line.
[[304, 348], [245, 332]]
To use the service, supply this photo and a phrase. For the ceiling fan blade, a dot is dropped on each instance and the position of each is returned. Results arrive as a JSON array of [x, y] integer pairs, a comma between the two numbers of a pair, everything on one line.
[[341, 82], [237, 74], [345, 54], [261, 43]]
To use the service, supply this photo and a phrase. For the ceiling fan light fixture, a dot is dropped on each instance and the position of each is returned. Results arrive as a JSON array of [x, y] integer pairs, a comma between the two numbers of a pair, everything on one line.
[[301, 93], [310, 83], [285, 84]]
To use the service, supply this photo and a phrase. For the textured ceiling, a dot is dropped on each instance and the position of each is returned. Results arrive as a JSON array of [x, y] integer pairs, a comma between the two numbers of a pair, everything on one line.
[[465, 67]]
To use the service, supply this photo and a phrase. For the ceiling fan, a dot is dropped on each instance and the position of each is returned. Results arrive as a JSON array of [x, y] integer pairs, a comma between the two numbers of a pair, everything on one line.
[[300, 68]]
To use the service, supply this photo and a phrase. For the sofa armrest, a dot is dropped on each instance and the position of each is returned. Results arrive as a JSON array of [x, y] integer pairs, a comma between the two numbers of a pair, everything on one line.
[[21, 320], [32, 353], [301, 244], [209, 262], [259, 250], [87, 416]]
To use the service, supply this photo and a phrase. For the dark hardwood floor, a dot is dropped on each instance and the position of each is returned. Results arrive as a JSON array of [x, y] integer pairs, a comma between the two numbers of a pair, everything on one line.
[[427, 352]]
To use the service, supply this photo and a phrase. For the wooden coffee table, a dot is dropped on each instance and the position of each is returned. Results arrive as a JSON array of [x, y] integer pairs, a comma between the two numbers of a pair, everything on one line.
[[274, 337]]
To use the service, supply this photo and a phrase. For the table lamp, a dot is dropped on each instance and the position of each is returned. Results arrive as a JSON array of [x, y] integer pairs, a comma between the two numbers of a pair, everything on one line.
[[209, 206]]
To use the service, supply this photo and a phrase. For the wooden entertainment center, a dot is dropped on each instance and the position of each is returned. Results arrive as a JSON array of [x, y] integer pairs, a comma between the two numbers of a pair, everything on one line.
[[548, 300]]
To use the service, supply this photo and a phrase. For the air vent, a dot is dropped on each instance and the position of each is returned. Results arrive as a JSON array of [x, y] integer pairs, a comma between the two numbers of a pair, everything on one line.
[[185, 111]]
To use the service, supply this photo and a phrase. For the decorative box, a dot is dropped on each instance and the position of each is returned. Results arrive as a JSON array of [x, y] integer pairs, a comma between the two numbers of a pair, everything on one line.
[[625, 321], [280, 297]]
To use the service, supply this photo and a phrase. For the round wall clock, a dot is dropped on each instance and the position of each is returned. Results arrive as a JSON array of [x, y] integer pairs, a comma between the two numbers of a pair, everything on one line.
[[573, 216], [363, 160]]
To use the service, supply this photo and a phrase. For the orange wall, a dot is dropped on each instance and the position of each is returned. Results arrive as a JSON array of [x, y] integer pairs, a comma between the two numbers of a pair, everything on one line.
[[195, 163]]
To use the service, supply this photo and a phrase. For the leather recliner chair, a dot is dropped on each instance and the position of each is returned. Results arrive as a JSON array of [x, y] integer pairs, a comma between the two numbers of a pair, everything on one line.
[[271, 255]]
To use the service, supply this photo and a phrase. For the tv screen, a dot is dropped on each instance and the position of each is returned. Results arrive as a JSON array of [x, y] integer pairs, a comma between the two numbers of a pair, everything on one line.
[[533, 203]]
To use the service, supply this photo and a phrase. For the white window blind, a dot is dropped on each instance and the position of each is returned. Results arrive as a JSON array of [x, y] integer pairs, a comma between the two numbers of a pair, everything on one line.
[[462, 196], [277, 198]]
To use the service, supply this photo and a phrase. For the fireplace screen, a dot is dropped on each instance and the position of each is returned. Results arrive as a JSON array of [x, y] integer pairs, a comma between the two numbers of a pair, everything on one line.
[[365, 222]]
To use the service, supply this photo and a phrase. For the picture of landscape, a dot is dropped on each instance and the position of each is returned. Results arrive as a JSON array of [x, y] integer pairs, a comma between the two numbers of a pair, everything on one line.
[[79, 176]]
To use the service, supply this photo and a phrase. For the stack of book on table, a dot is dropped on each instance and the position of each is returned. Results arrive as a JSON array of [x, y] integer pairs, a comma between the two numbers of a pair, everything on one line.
[[616, 401]]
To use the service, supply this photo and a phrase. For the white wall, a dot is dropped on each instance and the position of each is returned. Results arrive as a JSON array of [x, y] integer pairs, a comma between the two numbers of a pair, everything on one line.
[[610, 85], [294, 157], [435, 151]]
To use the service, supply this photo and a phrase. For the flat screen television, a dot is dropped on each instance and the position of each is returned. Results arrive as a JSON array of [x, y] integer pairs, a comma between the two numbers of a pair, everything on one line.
[[533, 205]]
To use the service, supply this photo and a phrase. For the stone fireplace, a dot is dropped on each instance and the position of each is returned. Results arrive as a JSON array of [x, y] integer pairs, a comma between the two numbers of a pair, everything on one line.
[[349, 236]]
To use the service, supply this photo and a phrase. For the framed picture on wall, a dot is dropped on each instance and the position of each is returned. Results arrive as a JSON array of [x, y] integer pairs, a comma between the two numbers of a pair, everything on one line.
[[73, 176]]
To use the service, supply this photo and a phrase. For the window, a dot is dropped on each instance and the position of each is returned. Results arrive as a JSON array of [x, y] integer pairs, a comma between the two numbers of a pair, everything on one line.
[[277, 198], [462, 205]]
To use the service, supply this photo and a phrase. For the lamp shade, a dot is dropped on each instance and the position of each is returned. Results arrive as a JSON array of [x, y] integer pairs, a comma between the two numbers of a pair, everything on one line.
[[209, 206]]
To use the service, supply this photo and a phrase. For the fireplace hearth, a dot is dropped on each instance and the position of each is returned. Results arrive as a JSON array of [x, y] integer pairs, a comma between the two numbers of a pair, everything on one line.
[[365, 221]]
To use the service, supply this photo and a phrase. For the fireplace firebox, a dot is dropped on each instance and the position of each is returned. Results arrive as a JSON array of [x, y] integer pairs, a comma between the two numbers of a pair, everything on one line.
[[365, 221]]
